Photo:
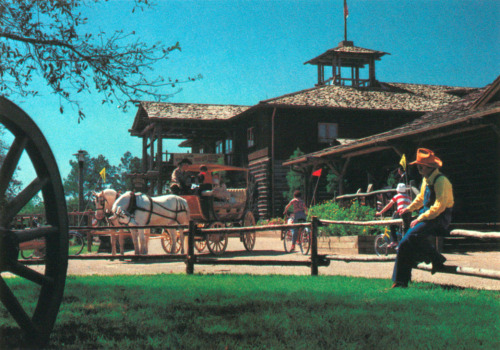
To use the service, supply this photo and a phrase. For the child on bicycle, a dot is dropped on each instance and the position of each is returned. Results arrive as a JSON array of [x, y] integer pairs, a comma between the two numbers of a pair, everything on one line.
[[299, 213], [402, 200]]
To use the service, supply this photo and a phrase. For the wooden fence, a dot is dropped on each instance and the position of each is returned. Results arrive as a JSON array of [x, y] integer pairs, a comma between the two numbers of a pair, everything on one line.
[[316, 260]]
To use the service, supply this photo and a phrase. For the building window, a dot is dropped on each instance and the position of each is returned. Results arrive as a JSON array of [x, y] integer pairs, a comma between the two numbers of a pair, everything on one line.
[[229, 146], [250, 137], [219, 147], [327, 132]]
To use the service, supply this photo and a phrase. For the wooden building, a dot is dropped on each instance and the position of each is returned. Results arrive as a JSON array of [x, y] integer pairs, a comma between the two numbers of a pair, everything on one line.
[[349, 105], [464, 134]]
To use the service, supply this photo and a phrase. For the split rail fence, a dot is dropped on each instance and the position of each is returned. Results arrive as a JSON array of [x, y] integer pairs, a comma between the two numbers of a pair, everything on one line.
[[316, 260]]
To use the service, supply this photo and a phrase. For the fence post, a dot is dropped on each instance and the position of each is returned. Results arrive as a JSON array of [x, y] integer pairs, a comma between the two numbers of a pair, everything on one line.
[[190, 256], [314, 246]]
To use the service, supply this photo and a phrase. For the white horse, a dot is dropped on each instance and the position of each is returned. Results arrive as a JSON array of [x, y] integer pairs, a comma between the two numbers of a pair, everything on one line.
[[104, 201], [137, 209]]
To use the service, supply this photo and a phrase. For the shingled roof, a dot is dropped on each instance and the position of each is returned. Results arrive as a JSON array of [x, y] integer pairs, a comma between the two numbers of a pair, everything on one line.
[[452, 114], [191, 111], [388, 96]]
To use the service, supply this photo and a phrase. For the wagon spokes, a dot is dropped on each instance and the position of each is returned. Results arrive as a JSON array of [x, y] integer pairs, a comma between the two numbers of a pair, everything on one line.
[[15, 309], [18, 202], [30, 274], [48, 286], [10, 163], [34, 233]]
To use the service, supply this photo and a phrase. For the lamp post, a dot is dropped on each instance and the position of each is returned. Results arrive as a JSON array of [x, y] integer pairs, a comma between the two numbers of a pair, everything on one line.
[[81, 160]]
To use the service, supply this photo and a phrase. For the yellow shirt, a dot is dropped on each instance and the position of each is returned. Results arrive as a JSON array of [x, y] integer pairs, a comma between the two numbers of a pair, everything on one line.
[[444, 197]]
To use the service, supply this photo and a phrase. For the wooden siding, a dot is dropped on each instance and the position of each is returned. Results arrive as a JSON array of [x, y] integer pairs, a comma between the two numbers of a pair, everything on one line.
[[471, 161], [260, 172]]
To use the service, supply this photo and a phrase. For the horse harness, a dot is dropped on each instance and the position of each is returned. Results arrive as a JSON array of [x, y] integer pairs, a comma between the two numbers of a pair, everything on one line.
[[102, 202], [133, 207]]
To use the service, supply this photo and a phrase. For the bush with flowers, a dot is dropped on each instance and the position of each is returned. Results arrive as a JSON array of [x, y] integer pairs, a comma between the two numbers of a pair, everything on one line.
[[355, 212], [272, 221]]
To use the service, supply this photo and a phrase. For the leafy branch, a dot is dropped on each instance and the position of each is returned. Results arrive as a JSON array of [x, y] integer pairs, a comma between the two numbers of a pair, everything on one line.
[[42, 37]]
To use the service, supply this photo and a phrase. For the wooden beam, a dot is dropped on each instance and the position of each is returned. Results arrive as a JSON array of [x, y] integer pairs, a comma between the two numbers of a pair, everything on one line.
[[365, 151], [453, 132], [475, 234], [147, 129]]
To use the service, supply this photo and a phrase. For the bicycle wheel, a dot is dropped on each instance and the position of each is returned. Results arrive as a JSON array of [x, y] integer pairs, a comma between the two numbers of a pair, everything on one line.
[[287, 241], [305, 240], [76, 243], [381, 244]]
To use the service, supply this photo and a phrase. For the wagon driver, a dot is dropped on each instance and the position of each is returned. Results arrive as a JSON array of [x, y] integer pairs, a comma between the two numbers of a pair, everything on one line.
[[179, 182], [435, 202]]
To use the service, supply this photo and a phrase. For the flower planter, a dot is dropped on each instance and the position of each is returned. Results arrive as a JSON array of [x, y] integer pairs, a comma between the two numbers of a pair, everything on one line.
[[346, 245]]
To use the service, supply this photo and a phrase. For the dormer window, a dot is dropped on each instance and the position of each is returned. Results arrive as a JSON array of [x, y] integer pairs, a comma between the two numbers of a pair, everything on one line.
[[327, 132]]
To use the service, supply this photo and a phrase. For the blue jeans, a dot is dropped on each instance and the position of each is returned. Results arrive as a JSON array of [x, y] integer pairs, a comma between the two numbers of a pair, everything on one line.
[[416, 247], [298, 217]]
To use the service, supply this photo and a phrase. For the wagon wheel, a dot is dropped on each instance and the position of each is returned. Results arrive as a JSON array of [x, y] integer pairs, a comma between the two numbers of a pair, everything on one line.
[[249, 237], [166, 242], [200, 245], [217, 243], [37, 323]]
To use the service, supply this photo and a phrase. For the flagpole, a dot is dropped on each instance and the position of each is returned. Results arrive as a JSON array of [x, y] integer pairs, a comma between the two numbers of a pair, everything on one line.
[[345, 20], [314, 193]]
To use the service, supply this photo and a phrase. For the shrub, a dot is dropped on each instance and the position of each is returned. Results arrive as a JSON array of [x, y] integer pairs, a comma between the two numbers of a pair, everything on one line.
[[272, 221], [356, 212]]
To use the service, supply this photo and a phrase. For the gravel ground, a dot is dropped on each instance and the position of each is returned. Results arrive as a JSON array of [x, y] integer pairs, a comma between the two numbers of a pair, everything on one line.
[[270, 247]]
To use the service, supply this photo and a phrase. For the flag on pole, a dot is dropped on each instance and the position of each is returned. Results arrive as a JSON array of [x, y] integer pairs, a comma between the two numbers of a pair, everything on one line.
[[317, 173], [346, 10], [103, 174], [402, 162]]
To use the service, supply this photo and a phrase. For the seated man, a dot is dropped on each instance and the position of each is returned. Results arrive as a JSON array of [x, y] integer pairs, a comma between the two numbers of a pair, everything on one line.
[[435, 202], [179, 183]]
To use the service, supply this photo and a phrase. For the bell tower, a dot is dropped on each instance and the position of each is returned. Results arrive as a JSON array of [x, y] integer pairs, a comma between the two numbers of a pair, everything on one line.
[[347, 62]]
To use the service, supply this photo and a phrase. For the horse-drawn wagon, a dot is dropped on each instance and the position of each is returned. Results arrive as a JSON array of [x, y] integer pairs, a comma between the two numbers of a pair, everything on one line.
[[225, 201]]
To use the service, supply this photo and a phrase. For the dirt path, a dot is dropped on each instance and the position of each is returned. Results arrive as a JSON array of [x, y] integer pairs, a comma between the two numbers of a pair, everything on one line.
[[271, 247]]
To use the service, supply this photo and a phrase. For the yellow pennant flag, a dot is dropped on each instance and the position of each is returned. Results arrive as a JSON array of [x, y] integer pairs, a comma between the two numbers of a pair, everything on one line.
[[103, 174], [402, 162]]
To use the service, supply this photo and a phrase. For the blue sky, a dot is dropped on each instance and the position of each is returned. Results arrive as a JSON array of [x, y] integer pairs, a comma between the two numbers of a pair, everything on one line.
[[252, 50]]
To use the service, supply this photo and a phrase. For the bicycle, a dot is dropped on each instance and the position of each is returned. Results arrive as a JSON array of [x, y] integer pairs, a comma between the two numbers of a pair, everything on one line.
[[36, 248], [303, 238], [383, 241]]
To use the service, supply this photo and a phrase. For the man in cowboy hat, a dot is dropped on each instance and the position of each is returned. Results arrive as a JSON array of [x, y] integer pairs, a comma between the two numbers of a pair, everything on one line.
[[435, 202]]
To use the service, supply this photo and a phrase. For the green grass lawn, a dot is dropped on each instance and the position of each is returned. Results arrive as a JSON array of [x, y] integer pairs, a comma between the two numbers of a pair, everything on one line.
[[265, 312]]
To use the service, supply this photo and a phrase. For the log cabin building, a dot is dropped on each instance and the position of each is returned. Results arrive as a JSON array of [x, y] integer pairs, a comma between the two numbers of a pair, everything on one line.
[[349, 105], [465, 134]]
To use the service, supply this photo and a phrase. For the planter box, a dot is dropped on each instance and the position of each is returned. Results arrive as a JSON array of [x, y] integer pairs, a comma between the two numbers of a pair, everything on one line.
[[346, 245]]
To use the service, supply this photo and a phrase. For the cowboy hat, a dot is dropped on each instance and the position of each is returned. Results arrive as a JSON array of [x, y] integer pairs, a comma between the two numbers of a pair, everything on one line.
[[426, 157]]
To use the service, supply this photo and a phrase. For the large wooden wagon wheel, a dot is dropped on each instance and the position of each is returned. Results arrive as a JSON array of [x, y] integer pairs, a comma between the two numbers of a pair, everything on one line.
[[167, 243], [248, 238], [48, 280], [217, 243]]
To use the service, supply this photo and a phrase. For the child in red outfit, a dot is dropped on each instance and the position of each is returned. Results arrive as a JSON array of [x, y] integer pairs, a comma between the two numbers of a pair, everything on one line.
[[402, 200]]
